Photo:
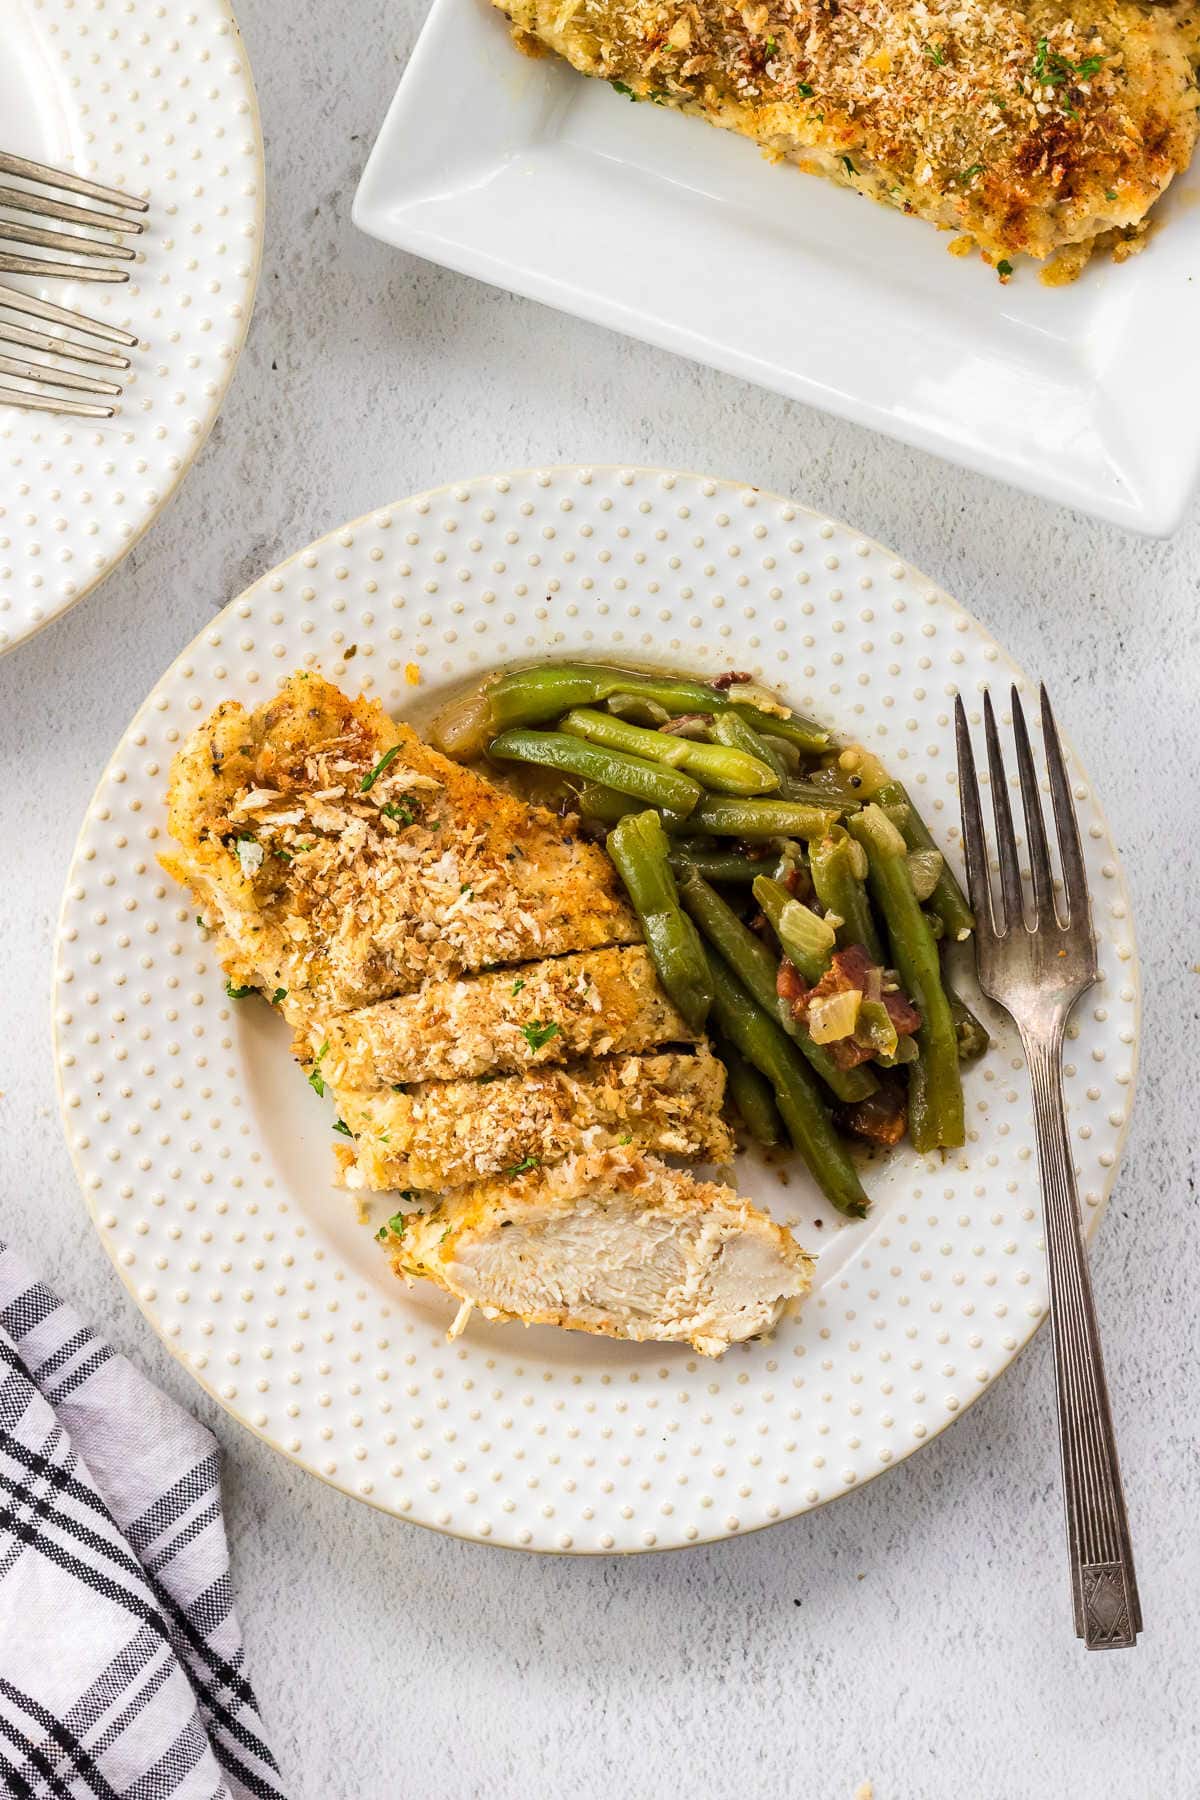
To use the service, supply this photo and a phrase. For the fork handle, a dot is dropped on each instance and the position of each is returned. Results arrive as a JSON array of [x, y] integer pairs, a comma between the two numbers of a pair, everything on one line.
[[1104, 1586]]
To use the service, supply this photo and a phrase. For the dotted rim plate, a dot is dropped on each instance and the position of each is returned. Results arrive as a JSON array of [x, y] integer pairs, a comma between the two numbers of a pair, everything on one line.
[[202, 1153], [162, 100]]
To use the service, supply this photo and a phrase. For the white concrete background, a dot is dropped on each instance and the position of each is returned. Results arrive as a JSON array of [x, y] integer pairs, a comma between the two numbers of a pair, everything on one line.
[[916, 1633]]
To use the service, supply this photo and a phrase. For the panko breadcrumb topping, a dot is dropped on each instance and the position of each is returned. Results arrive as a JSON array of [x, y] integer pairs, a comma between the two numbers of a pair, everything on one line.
[[1029, 125], [340, 860]]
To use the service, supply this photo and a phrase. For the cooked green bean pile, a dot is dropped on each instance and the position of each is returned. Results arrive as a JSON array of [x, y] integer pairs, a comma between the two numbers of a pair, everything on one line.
[[790, 894]]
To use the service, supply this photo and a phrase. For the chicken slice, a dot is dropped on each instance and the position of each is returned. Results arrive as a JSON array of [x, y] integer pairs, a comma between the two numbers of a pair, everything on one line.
[[445, 1134], [339, 860], [501, 1022], [614, 1243]]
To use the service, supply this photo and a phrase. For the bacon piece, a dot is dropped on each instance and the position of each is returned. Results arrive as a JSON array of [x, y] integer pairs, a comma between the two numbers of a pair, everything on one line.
[[731, 678], [881, 1118], [848, 969]]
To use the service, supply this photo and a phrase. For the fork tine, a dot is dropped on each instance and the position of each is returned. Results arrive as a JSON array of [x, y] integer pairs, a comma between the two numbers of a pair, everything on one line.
[[85, 409], [52, 377], [18, 337], [1006, 843], [27, 200], [1035, 825], [974, 843], [29, 265], [73, 184], [1070, 846], [63, 240], [18, 301]]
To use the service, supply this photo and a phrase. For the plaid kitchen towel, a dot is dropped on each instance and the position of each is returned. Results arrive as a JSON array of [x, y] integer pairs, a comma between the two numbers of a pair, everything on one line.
[[121, 1661]]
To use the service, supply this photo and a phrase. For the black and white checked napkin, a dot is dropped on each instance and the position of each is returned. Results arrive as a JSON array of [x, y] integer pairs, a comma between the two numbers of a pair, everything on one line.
[[121, 1661]]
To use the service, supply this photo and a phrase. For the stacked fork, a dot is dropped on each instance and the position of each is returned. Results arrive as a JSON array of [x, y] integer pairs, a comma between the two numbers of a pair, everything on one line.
[[86, 253]]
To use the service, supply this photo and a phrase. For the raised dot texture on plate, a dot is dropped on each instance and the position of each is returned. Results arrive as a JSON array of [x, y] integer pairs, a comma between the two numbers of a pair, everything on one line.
[[203, 1154], [159, 100]]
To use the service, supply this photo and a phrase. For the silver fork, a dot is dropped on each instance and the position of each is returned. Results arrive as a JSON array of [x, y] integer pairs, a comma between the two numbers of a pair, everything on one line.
[[1037, 971], [100, 348], [96, 252]]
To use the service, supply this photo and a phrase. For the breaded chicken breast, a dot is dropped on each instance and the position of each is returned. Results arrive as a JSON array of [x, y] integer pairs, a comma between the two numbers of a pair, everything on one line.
[[614, 1243], [340, 860], [1031, 125], [507, 1020], [444, 1134]]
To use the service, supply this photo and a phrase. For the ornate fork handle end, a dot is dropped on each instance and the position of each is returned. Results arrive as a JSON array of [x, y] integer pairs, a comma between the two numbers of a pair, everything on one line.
[[1107, 1610]]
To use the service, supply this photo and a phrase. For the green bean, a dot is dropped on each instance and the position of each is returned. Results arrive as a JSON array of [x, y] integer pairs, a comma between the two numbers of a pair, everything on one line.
[[759, 819], [833, 864], [795, 729], [947, 900], [759, 1038], [729, 771], [604, 804], [808, 942], [720, 865], [533, 696], [638, 848], [728, 729], [646, 781], [758, 970], [935, 1088], [753, 1096], [972, 1034]]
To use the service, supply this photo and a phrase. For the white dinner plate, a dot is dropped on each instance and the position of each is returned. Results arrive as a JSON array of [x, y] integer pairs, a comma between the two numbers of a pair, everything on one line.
[[553, 185], [205, 1157], [159, 100]]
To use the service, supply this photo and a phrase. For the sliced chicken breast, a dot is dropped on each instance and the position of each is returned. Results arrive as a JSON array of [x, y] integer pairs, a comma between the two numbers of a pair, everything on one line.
[[445, 1134], [508, 1020], [613, 1243], [339, 860]]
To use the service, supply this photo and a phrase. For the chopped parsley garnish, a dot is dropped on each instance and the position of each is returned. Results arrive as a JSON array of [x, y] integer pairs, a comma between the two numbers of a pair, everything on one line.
[[278, 995], [238, 993], [400, 810], [1110, 193], [397, 1225], [805, 92], [518, 984], [537, 1035], [850, 169], [341, 1125], [468, 890], [965, 176], [660, 96], [1053, 70], [385, 761], [623, 87], [1004, 268], [315, 1081], [626, 1138], [200, 922], [772, 48], [936, 54], [526, 1163]]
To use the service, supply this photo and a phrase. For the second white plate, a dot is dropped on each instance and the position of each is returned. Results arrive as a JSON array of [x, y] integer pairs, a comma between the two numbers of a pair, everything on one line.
[[205, 1157], [555, 186], [160, 100]]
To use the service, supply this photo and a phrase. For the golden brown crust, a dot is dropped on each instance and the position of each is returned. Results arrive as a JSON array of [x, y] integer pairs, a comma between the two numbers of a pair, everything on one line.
[[444, 1134], [335, 886], [511, 1019], [1028, 124]]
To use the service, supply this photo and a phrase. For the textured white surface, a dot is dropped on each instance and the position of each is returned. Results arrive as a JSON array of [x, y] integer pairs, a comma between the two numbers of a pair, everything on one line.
[[157, 99], [391, 1661], [206, 1165]]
